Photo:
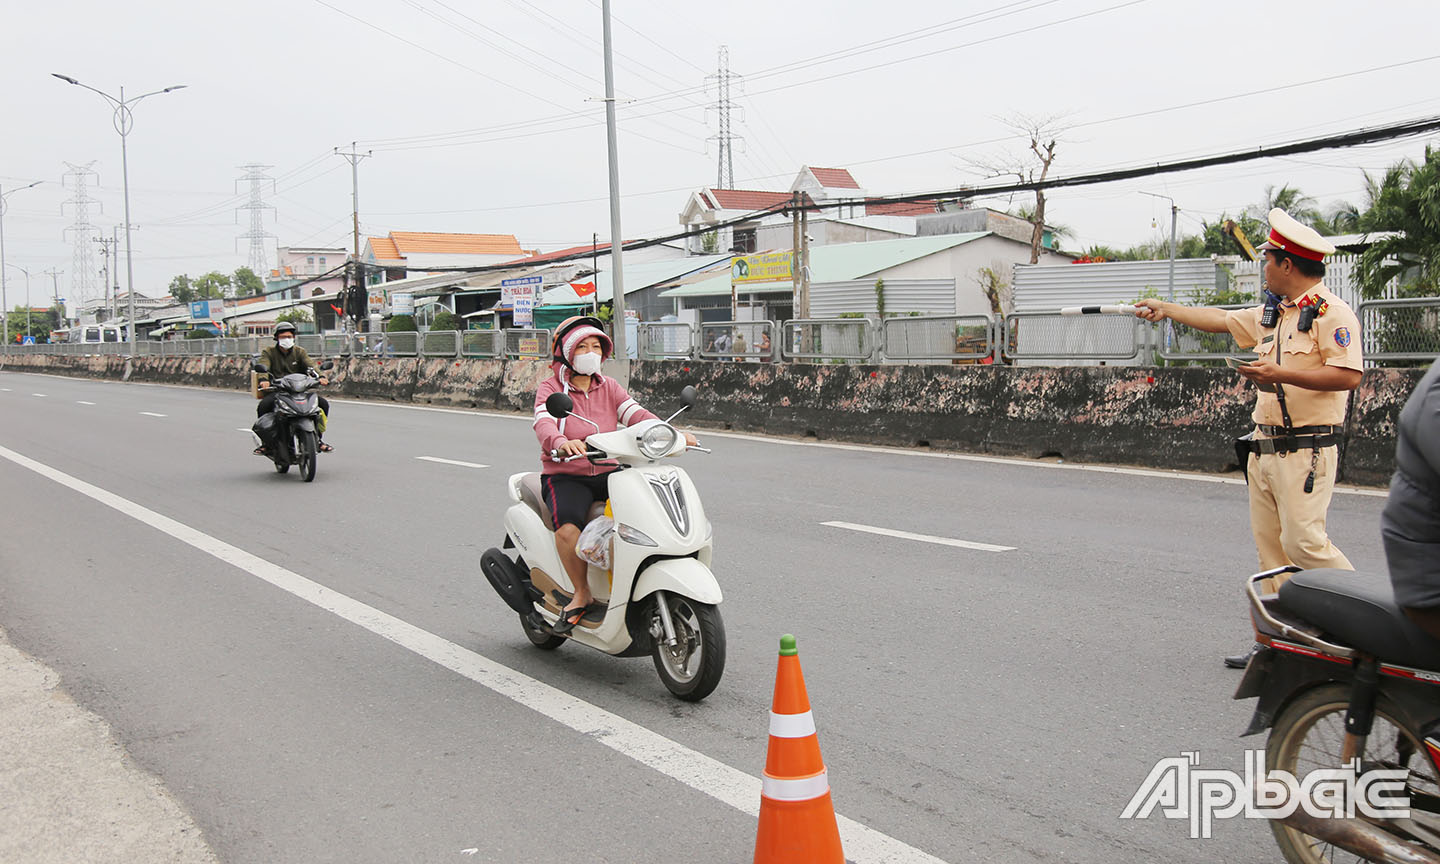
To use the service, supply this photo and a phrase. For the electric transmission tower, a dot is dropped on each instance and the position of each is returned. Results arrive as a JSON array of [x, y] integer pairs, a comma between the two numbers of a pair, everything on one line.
[[259, 255], [722, 107], [82, 267]]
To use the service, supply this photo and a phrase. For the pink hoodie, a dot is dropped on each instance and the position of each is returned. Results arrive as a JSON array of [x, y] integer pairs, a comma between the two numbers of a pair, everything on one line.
[[606, 403]]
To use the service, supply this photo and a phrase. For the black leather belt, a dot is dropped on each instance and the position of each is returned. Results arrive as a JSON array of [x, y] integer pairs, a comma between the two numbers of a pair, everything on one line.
[[1281, 431], [1294, 442]]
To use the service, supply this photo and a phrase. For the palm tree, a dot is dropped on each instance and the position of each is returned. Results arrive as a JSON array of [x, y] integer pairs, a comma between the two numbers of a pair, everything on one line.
[[1407, 202], [1291, 200]]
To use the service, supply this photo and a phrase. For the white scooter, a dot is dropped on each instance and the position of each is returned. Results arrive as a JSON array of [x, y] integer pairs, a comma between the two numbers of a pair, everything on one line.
[[660, 597]]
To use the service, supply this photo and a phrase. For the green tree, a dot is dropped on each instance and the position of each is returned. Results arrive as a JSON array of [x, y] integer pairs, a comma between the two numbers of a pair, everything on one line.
[[400, 324], [297, 316], [1290, 199], [246, 283], [1406, 201], [40, 324], [447, 320], [212, 286], [182, 289]]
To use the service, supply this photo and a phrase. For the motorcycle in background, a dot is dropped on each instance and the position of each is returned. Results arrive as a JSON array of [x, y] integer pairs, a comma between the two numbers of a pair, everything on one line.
[[289, 433]]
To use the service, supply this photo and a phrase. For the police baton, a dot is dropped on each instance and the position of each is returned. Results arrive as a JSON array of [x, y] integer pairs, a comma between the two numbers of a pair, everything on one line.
[[1121, 309]]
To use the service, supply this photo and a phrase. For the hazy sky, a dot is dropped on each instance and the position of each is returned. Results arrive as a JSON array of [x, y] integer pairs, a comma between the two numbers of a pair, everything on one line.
[[483, 116]]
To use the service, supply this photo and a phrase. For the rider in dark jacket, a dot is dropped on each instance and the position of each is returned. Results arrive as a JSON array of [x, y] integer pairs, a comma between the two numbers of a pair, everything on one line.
[[286, 358], [1410, 523]]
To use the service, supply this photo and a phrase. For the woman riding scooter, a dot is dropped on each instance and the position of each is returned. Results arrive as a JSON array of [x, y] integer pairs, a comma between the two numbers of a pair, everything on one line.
[[601, 404]]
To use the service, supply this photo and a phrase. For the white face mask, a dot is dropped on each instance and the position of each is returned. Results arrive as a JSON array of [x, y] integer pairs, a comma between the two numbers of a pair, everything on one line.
[[287, 343], [587, 363]]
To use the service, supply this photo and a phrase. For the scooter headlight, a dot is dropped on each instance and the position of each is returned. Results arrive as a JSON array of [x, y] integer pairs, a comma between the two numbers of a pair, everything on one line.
[[658, 440], [631, 535]]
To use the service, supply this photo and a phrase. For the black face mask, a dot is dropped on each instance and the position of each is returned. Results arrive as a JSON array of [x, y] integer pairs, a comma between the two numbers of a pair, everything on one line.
[[1271, 316]]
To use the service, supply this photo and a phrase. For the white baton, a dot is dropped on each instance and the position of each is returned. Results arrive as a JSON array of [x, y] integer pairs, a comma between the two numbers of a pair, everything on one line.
[[1122, 309]]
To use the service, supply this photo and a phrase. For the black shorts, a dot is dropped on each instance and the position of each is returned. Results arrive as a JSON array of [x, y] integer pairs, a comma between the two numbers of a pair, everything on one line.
[[569, 496]]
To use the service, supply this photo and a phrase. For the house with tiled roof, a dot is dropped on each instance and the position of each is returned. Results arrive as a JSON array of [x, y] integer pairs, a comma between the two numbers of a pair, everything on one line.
[[402, 252]]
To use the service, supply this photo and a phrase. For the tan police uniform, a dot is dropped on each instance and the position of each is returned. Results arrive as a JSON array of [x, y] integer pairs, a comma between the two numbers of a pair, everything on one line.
[[1290, 491]]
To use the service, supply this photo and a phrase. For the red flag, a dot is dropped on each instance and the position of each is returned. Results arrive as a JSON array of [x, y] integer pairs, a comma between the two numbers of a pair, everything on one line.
[[583, 289], [338, 310]]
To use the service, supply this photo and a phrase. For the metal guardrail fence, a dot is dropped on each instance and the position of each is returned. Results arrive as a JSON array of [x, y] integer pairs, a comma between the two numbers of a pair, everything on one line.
[[943, 337], [1401, 330], [1052, 336], [1405, 329]]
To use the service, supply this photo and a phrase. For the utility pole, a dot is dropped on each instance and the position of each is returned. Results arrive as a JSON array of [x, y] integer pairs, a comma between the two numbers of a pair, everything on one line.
[[1174, 215], [595, 268], [805, 261], [617, 281], [355, 270], [797, 290], [55, 293], [115, 290], [105, 251]]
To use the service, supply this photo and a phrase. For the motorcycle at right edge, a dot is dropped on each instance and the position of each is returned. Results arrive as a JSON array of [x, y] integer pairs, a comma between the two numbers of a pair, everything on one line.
[[1342, 674]]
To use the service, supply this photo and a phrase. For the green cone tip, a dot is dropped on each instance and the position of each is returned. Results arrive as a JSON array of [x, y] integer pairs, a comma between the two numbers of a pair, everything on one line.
[[787, 646]]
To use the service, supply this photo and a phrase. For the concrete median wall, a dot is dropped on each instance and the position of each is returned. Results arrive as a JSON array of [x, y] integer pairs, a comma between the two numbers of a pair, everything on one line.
[[1163, 418]]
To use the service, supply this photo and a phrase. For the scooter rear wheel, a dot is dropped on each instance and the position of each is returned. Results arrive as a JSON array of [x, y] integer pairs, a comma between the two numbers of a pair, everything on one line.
[[691, 669], [542, 639]]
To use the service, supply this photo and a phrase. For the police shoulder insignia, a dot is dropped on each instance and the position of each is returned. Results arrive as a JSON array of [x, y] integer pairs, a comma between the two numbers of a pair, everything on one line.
[[1342, 336]]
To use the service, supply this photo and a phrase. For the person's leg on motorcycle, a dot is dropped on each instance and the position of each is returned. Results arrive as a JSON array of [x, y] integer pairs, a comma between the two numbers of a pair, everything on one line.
[[325, 406], [569, 499]]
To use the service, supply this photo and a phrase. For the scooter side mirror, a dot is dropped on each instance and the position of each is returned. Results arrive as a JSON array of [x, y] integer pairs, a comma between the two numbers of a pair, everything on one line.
[[328, 364], [260, 367], [687, 396], [559, 405]]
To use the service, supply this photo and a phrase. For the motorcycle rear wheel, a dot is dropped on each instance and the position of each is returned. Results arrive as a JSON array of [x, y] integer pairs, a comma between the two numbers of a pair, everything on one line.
[[308, 449], [542, 639], [691, 670], [1309, 734]]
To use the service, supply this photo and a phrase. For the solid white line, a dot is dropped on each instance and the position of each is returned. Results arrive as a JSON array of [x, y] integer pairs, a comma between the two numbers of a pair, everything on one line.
[[925, 538], [5, 389], [83, 402], [702, 773], [153, 414], [451, 462], [41, 395]]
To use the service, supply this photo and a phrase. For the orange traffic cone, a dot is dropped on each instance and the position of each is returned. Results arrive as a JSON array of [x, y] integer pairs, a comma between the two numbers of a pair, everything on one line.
[[797, 818]]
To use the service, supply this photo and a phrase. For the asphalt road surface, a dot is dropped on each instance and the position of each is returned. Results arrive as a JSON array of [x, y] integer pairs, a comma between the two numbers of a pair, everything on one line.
[[319, 672]]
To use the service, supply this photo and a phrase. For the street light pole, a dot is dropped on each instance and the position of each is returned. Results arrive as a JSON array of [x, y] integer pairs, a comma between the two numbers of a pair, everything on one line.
[[124, 120], [27, 296], [4, 295]]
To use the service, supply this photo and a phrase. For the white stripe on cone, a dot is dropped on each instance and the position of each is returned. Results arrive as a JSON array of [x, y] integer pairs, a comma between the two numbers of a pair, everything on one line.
[[792, 725], [801, 789]]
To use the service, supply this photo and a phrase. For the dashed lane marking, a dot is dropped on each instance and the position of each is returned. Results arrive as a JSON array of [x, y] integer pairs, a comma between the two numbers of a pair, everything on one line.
[[451, 462], [153, 414], [923, 538]]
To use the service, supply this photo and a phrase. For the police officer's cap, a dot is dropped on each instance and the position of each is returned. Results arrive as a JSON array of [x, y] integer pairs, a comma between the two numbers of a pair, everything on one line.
[[1288, 235]]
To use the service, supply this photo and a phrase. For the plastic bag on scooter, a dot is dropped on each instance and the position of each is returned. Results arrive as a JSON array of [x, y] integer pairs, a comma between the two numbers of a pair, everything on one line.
[[267, 429], [594, 543]]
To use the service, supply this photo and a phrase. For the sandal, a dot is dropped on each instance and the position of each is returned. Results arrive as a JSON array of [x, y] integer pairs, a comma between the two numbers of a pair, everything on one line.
[[568, 619], [260, 451], [326, 448]]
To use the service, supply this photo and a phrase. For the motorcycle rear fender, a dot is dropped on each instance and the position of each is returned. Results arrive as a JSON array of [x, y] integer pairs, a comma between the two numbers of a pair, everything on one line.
[[684, 576], [1278, 677]]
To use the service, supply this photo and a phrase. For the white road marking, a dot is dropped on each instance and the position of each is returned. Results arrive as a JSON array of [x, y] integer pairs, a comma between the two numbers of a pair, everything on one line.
[[5, 390], [153, 414], [41, 395], [924, 538], [83, 402], [242, 428], [451, 462], [863, 845]]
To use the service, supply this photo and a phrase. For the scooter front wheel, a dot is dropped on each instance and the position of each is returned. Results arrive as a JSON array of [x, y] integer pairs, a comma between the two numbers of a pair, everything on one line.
[[691, 668], [542, 639]]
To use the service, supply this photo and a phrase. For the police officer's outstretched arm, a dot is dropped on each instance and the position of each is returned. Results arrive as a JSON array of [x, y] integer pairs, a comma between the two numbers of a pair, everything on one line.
[[1205, 318]]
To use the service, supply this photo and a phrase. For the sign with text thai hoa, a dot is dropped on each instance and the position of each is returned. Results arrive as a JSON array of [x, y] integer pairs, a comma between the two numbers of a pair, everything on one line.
[[520, 295], [765, 267]]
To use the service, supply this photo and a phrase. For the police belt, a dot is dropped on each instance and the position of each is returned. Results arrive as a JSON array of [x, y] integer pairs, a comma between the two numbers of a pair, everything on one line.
[[1291, 443], [1281, 431]]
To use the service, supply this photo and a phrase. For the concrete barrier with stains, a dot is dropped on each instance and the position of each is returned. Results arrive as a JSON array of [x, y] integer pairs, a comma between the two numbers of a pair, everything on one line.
[[1182, 418]]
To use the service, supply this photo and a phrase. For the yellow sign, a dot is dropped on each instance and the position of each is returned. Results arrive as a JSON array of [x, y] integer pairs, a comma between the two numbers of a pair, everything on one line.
[[529, 346], [765, 267]]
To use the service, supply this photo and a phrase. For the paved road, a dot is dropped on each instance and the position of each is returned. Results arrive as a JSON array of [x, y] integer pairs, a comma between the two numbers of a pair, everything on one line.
[[319, 673]]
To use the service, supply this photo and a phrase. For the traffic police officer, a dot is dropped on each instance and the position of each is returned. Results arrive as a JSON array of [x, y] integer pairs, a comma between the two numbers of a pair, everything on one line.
[[1308, 340]]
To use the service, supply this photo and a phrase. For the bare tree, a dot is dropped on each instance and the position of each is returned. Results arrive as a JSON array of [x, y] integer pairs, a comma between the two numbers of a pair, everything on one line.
[[1044, 137]]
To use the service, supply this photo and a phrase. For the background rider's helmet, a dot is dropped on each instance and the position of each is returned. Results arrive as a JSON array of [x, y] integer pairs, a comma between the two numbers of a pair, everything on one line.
[[570, 333], [282, 328]]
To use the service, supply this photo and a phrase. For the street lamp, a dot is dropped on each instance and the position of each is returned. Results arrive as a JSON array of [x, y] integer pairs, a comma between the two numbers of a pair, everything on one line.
[[27, 298], [4, 295], [124, 119]]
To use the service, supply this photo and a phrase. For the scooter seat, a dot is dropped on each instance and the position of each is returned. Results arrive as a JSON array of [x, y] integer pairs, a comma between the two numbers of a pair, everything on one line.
[[1359, 610], [530, 493]]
